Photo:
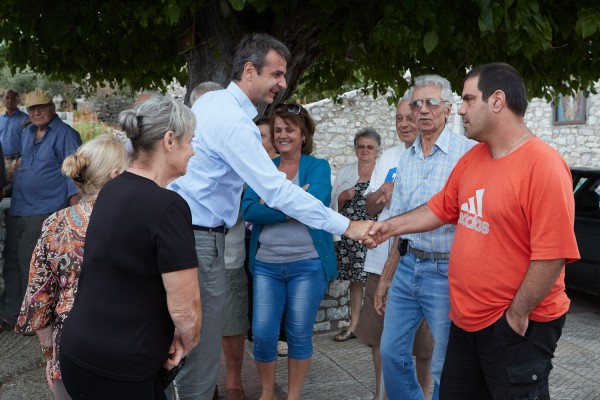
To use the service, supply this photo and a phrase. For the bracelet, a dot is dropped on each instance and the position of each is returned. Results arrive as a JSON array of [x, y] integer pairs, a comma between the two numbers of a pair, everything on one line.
[[47, 351]]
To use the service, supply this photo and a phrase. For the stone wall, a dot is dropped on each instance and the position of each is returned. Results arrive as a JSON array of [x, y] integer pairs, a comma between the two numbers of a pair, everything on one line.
[[338, 123], [109, 107]]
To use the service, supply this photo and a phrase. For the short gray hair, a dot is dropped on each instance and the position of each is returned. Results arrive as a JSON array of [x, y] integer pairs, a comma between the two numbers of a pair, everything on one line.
[[149, 121], [203, 88], [407, 96], [443, 83], [367, 133]]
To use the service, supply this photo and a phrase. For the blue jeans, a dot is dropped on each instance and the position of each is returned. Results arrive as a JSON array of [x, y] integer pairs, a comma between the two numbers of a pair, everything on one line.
[[419, 290], [297, 287], [198, 378]]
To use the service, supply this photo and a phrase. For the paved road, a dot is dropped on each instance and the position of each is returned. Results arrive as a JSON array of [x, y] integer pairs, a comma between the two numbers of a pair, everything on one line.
[[342, 371]]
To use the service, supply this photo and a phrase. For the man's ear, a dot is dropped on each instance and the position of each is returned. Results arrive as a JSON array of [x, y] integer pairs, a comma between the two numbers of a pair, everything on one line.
[[498, 100], [249, 71]]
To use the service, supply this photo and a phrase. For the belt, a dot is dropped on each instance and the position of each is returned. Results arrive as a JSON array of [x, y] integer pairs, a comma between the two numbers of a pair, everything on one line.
[[425, 255], [216, 229]]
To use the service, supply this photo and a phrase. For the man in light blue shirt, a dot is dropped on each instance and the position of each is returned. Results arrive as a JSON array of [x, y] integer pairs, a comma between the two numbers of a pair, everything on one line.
[[418, 288], [228, 152], [11, 123], [11, 128]]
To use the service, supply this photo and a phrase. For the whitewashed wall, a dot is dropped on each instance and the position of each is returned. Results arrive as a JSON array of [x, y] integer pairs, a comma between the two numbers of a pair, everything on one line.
[[338, 123]]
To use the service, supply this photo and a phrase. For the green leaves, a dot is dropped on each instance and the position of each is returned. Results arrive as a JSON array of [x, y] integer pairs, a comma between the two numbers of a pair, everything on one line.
[[588, 22], [430, 40], [336, 44]]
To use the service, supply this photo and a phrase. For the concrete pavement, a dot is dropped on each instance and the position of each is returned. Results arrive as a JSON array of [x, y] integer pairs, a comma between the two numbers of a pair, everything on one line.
[[339, 371]]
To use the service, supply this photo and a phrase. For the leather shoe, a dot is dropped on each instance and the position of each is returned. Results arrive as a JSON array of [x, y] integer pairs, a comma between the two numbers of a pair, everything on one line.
[[236, 394], [344, 335]]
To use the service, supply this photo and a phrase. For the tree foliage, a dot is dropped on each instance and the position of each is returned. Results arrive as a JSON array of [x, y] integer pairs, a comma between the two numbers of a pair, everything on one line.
[[553, 43]]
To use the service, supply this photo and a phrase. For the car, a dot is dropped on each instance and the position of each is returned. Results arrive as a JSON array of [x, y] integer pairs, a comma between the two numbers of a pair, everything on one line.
[[584, 274]]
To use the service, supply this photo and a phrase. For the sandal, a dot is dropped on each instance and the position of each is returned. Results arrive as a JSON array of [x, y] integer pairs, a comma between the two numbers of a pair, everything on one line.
[[282, 348], [344, 335]]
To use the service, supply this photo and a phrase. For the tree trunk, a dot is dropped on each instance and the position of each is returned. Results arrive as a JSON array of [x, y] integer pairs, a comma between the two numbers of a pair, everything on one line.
[[218, 29]]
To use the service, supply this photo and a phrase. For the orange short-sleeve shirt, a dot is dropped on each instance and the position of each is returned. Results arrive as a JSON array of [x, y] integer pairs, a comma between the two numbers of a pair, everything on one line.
[[508, 211]]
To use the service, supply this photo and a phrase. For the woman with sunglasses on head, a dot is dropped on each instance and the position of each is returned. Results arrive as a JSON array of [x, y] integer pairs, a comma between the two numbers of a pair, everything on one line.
[[58, 255], [347, 197], [291, 263]]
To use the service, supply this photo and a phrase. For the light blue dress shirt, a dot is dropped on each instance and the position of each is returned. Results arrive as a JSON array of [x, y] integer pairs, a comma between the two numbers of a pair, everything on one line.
[[419, 178], [11, 128], [228, 152]]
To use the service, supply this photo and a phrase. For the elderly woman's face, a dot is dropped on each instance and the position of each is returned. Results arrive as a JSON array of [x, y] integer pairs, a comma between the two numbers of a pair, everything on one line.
[[366, 149], [288, 137]]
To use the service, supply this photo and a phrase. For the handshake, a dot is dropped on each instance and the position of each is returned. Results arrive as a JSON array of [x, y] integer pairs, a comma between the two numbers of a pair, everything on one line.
[[369, 233]]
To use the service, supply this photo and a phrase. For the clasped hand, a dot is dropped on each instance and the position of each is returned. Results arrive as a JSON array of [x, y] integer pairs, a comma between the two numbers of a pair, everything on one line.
[[369, 233]]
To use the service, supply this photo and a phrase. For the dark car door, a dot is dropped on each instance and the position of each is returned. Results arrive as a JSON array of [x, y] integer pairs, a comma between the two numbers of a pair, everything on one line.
[[584, 274]]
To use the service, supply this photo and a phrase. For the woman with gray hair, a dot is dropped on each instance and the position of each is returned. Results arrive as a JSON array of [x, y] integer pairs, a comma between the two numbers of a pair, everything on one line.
[[347, 197], [138, 302]]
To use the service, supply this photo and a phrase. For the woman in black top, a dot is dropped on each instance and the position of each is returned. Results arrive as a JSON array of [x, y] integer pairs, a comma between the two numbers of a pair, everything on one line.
[[138, 303]]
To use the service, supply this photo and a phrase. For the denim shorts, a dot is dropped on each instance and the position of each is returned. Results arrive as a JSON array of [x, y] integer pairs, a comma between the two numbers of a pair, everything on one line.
[[296, 287]]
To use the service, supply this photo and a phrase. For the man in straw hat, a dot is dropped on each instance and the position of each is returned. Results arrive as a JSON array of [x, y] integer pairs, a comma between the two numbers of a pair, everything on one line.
[[39, 189]]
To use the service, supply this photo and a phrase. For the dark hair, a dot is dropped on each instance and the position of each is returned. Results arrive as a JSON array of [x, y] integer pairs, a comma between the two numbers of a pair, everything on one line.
[[501, 76], [369, 133], [263, 121], [302, 120], [253, 48]]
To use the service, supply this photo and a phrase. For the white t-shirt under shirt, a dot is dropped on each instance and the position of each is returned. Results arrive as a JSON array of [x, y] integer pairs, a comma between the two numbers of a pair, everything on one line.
[[385, 171]]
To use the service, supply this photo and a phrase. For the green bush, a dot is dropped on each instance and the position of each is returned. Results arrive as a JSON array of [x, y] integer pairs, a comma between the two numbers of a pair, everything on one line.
[[90, 129]]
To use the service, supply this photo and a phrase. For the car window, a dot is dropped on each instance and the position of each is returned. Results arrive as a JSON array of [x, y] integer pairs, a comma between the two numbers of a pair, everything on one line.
[[587, 197]]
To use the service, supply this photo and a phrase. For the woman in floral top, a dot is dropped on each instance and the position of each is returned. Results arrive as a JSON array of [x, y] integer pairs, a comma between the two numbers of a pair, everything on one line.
[[58, 255]]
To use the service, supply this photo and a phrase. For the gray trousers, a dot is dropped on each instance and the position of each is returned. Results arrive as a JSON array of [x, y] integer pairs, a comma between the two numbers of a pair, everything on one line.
[[22, 234], [198, 377]]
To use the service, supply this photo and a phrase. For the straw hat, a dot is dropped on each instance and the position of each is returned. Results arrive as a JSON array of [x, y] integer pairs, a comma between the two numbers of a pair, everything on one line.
[[37, 97]]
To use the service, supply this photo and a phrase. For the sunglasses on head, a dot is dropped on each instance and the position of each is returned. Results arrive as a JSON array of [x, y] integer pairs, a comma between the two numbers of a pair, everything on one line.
[[291, 108], [431, 103]]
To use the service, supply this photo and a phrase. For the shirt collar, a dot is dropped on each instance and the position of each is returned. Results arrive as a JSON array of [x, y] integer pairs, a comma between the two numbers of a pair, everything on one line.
[[442, 142], [242, 99]]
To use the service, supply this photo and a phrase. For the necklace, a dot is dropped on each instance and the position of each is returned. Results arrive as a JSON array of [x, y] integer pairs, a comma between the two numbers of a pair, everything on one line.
[[512, 145]]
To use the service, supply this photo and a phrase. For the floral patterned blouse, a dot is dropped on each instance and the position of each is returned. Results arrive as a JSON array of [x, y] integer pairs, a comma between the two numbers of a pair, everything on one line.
[[54, 273]]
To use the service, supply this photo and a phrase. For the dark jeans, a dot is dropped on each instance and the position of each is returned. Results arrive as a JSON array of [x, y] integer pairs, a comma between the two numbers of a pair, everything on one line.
[[22, 234], [498, 363]]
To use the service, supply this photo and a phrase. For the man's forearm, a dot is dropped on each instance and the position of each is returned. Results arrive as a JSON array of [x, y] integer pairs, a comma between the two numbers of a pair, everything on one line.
[[389, 268], [539, 279], [420, 219], [373, 206]]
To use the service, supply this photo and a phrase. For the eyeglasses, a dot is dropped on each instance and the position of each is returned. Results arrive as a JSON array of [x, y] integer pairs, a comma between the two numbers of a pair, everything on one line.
[[417, 104], [291, 108], [40, 108], [365, 147]]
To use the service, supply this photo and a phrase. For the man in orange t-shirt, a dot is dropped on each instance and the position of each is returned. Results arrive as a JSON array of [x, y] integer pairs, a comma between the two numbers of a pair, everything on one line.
[[511, 198]]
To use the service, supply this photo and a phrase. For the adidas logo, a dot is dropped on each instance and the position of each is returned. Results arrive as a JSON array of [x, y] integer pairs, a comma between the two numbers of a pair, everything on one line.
[[473, 212]]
